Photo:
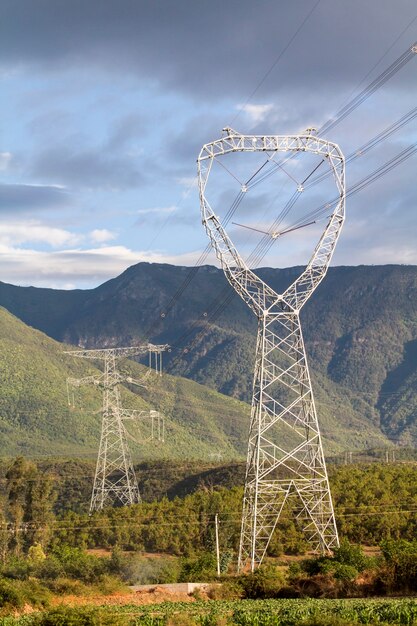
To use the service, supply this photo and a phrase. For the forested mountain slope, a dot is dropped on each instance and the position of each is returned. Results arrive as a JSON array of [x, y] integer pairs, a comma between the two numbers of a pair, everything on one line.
[[360, 329], [36, 418]]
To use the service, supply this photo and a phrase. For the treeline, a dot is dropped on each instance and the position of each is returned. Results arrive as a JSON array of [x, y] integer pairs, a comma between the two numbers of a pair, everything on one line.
[[44, 552], [373, 503]]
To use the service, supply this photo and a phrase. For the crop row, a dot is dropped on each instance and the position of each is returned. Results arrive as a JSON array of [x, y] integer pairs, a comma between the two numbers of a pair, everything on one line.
[[254, 613]]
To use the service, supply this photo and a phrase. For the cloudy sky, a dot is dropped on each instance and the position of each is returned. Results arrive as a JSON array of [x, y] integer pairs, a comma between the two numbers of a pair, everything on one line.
[[106, 105]]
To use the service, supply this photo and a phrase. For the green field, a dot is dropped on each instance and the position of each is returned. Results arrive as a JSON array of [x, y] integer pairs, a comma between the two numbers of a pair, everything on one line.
[[234, 613]]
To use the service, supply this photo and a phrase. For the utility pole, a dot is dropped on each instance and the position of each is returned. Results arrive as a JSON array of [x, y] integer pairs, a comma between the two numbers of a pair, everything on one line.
[[216, 523], [285, 454], [115, 480]]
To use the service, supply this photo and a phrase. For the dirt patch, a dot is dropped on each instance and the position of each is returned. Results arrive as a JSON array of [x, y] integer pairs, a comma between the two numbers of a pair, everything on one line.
[[153, 596]]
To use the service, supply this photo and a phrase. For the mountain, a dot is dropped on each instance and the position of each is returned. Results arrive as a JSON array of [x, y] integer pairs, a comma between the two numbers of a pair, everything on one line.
[[360, 328], [36, 418]]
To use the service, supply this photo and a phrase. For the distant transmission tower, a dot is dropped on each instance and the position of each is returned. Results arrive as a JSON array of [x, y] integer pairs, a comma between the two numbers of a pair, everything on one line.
[[285, 455], [115, 480]]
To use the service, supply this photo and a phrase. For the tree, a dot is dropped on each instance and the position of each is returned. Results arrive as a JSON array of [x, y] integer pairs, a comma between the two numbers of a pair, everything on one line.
[[17, 478]]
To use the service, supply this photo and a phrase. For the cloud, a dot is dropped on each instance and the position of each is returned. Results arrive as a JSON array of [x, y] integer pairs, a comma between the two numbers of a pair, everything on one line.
[[101, 235], [13, 234], [85, 268], [5, 158], [256, 112], [153, 216], [188, 181], [156, 210], [88, 168], [24, 197], [112, 96], [170, 42]]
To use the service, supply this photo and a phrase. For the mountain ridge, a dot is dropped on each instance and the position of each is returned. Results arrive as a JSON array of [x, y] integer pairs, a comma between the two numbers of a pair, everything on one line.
[[359, 328]]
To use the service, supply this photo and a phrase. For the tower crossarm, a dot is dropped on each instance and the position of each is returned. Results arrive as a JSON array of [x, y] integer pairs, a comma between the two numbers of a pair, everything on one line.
[[158, 348], [257, 294], [87, 380], [139, 382], [118, 353], [132, 414]]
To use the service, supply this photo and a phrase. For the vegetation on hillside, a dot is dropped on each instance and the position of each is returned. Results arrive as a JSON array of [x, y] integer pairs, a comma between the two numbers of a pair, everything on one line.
[[46, 552], [200, 423], [360, 329], [36, 417], [373, 503]]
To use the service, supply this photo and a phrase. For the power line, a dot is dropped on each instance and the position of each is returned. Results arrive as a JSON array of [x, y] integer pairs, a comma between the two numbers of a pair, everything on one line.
[[225, 297], [267, 242], [276, 61], [190, 521], [370, 89], [258, 252], [348, 108], [403, 31]]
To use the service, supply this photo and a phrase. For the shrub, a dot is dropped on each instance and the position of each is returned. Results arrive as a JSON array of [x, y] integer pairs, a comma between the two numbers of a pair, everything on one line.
[[118, 561], [11, 594], [317, 586], [80, 565], [144, 571], [295, 570], [228, 590], [225, 559], [35, 593], [16, 593], [36, 554], [350, 554], [345, 572], [111, 584], [401, 560], [67, 586], [198, 570], [86, 616], [265, 582], [49, 569], [17, 569]]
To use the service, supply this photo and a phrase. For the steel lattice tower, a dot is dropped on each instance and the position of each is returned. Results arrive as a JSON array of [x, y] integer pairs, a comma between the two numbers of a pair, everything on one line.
[[285, 460], [115, 480]]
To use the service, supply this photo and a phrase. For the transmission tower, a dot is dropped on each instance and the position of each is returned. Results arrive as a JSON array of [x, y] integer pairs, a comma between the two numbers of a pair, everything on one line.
[[285, 461], [115, 480]]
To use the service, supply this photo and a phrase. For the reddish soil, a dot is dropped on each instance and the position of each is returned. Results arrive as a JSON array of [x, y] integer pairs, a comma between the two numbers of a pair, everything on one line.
[[154, 596]]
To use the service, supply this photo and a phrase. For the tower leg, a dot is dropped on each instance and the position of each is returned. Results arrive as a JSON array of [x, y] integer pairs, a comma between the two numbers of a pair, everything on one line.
[[285, 455]]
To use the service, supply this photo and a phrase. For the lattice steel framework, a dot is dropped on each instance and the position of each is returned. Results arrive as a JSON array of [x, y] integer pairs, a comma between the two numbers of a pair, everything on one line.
[[115, 480], [285, 461]]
